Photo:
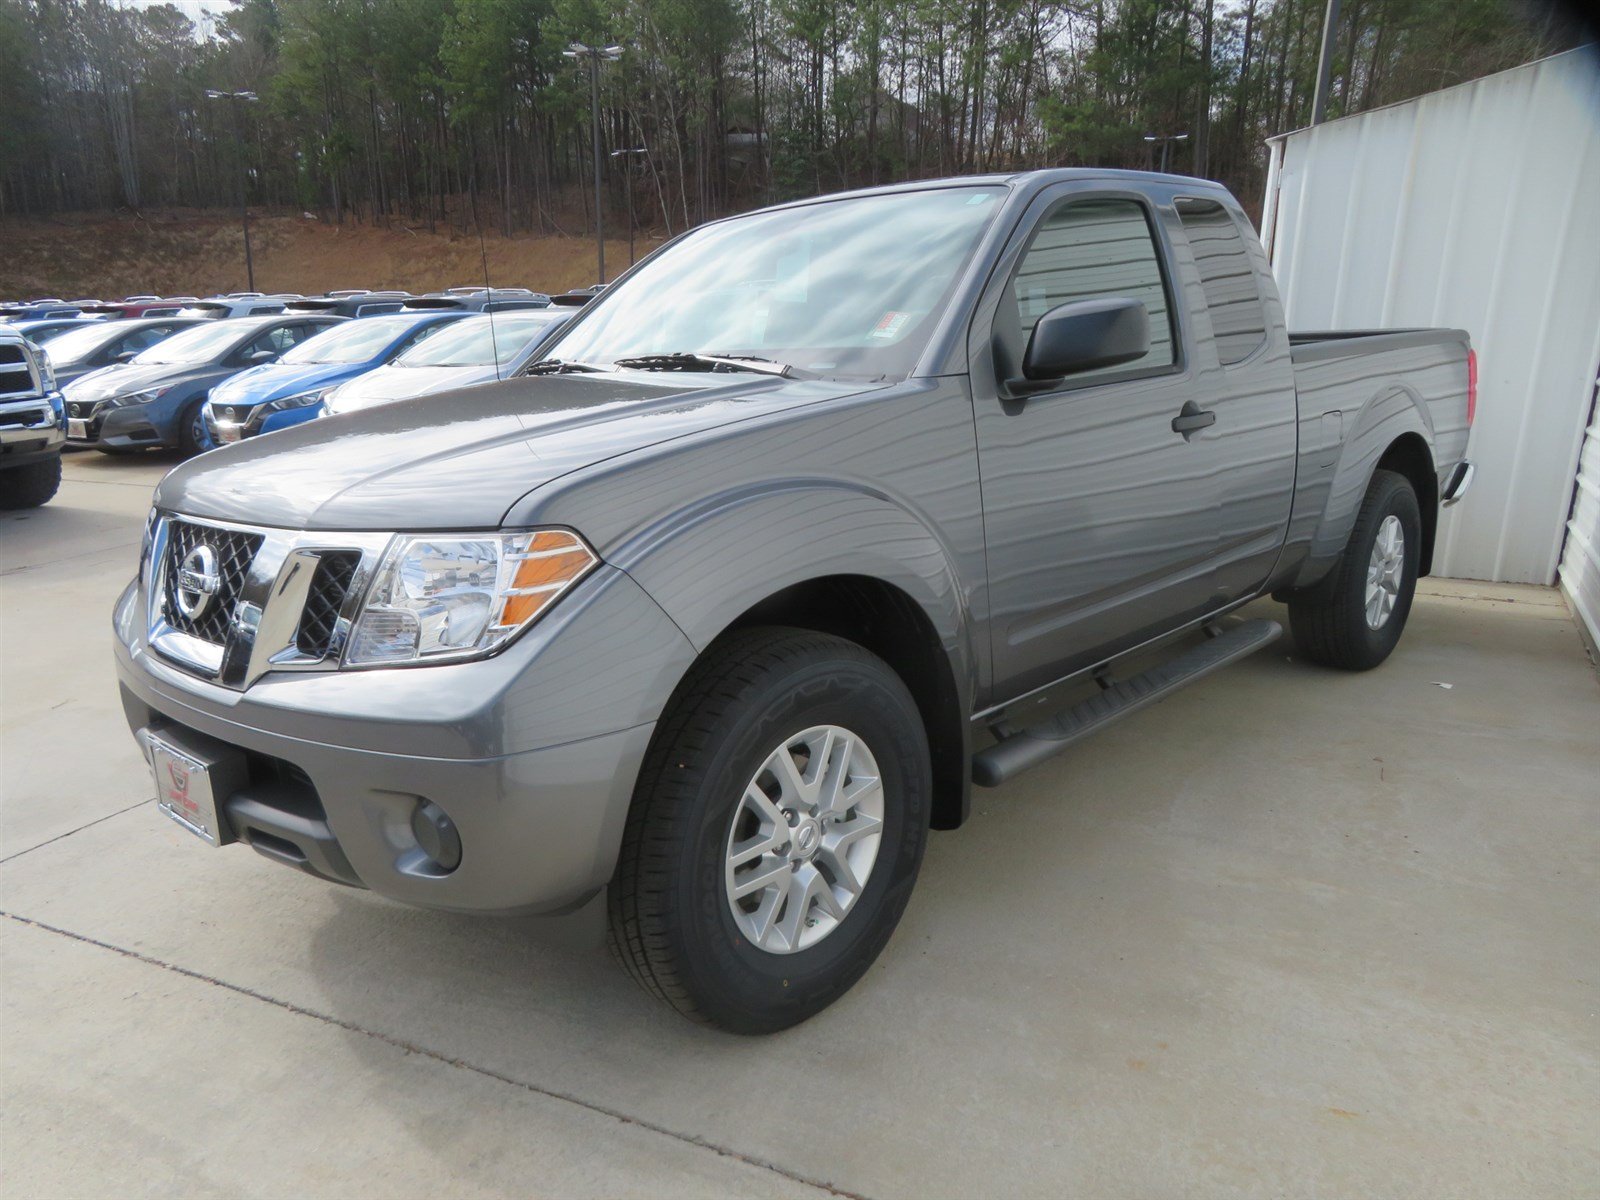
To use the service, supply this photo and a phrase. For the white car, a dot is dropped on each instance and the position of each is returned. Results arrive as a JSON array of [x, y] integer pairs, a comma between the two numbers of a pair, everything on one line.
[[474, 350]]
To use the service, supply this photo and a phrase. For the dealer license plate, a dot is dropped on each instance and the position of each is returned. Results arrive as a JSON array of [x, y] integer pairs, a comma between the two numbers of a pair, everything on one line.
[[227, 431], [77, 427], [187, 786]]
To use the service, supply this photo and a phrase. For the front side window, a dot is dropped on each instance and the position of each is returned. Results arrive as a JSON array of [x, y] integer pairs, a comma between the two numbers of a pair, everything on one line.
[[1091, 250], [1227, 277], [844, 288]]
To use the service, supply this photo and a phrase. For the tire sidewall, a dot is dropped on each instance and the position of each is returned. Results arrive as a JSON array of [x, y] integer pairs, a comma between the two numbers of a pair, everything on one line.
[[1394, 497], [750, 988]]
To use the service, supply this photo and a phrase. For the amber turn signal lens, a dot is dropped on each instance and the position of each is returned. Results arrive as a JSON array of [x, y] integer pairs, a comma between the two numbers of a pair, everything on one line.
[[552, 562]]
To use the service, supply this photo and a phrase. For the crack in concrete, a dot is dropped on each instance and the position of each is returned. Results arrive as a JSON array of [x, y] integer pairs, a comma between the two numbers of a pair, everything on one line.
[[79, 829], [401, 1044]]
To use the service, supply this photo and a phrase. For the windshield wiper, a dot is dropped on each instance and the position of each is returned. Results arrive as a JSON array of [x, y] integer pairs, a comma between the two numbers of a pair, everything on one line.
[[683, 361], [558, 366]]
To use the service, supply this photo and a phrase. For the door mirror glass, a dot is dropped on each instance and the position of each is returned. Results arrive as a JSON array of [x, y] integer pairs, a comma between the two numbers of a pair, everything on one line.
[[1086, 335], [260, 356]]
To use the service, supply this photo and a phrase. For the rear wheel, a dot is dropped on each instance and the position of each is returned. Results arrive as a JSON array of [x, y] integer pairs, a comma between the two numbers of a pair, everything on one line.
[[32, 485], [776, 831], [1354, 618]]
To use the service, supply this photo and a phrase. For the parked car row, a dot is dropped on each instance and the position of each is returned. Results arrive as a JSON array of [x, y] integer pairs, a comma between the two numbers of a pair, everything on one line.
[[190, 383]]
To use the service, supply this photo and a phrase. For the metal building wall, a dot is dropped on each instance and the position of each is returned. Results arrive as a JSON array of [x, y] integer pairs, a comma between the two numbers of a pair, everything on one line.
[[1476, 207], [1580, 560]]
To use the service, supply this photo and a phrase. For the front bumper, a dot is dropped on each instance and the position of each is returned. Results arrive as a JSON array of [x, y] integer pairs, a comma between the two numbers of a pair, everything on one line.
[[337, 764], [129, 427], [31, 429]]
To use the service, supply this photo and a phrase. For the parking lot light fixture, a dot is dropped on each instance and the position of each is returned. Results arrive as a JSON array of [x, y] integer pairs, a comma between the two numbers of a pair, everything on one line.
[[595, 54], [237, 98]]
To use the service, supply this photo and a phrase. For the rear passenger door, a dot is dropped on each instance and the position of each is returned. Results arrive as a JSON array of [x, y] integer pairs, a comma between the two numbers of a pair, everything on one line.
[[1101, 519], [1242, 355]]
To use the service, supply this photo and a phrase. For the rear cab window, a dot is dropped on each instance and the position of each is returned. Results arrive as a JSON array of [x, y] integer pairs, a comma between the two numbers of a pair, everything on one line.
[[1227, 278]]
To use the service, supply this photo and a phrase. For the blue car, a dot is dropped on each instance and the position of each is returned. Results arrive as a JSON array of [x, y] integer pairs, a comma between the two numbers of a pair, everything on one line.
[[290, 390]]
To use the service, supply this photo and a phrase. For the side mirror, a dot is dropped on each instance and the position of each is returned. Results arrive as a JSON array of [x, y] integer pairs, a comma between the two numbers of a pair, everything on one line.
[[1083, 336], [260, 356], [124, 356]]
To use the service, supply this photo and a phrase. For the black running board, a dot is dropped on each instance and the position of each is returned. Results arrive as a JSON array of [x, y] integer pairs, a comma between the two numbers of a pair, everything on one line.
[[1026, 748]]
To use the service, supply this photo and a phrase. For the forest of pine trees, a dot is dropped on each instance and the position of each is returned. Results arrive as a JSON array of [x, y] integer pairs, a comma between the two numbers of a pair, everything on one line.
[[440, 112]]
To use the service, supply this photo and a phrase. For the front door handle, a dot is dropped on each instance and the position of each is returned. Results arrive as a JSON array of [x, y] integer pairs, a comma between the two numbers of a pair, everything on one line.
[[1192, 419]]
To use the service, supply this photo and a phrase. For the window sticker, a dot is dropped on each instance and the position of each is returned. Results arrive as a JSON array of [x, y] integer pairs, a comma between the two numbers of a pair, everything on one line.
[[890, 325]]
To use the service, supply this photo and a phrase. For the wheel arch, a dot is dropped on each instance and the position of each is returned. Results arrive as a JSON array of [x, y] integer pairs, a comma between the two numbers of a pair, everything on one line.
[[835, 559], [1392, 431]]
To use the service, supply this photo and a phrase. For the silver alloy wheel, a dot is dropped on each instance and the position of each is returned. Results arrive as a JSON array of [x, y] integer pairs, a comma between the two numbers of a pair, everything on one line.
[[1385, 569], [804, 839]]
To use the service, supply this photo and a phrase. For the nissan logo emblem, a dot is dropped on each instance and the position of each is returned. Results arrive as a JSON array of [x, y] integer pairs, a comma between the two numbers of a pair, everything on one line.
[[198, 581]]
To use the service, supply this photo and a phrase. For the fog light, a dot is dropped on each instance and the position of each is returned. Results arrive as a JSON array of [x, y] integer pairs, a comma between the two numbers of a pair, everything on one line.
[[436, 834]]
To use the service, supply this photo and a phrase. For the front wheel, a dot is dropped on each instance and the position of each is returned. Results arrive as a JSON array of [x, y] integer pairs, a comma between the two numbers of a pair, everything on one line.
[[776, 831], [32, 485], [1354, 618], [193, 436]]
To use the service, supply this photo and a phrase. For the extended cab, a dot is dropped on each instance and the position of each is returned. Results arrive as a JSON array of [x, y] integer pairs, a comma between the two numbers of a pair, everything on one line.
[[712, 603]]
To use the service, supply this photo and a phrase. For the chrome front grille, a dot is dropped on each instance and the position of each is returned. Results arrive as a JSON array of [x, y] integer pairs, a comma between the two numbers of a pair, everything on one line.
[[330, 587], [233, 602], [234, 550], [16, 372]]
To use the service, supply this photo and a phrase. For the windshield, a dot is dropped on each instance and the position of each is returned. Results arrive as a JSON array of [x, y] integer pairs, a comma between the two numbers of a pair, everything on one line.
[[201, 344], [843, 288], [472, 341], [356, 342], [75, 343]]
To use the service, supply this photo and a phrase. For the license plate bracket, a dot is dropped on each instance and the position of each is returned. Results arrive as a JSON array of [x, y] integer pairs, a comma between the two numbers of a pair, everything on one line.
[[194, 778]]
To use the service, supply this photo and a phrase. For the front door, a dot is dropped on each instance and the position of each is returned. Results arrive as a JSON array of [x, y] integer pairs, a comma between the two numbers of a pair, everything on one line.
[[1101, 519]]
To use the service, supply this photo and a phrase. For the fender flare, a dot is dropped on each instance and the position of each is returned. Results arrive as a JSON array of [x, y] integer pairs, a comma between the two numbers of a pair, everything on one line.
[[1393, 412], [707, 564]]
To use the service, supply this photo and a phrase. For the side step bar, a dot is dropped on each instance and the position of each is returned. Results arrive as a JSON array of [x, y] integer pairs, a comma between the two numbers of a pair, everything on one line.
[[1026, 748]]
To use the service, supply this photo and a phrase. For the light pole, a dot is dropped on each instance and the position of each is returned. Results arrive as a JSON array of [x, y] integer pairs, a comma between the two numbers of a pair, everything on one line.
[[594, 54], [1319, 98], [621, 154], [244, 212], [1166, 140]]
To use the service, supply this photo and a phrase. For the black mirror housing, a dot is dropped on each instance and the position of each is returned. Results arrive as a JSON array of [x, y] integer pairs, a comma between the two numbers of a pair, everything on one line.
[[1085, 336]]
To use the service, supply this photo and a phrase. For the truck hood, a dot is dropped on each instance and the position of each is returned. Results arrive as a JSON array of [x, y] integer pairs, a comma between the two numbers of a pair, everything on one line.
[[459, 460], [390, 383]]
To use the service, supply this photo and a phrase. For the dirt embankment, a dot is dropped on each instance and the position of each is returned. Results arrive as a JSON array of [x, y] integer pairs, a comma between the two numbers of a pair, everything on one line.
[[203, 253]]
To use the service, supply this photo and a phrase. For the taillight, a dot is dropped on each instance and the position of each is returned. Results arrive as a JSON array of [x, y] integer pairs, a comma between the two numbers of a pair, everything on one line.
[[1472, 387]]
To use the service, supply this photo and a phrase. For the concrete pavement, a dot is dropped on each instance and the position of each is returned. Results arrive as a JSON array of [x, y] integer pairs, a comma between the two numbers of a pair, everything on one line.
[[1291, 933]]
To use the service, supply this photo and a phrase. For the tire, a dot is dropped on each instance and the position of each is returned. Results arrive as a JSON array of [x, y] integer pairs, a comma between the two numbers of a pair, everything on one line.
[[1332, 623], [192, 434], [32, 485], [672, 920]]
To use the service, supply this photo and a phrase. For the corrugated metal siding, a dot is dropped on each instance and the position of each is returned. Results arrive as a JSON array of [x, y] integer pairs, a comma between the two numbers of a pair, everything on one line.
[[1580, 560], [1474, 207]]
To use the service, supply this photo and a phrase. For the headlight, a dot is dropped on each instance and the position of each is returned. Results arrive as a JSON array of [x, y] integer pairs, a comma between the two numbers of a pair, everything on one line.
[[303, 400], [47, 371], [138, 397], [453, 596]]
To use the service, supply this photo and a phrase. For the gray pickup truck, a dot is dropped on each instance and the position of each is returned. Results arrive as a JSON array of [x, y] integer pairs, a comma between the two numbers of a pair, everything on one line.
[[33, 423], [817, 517]]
